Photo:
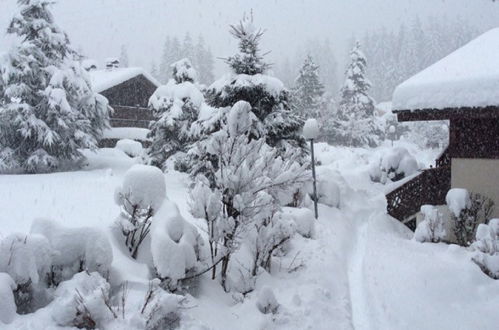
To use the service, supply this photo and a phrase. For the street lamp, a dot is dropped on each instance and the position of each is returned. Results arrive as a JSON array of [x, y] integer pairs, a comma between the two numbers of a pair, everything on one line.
[[311, 132], [392, 131]]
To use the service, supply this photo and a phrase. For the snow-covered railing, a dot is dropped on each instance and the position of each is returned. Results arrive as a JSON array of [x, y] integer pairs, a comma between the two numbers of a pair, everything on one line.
[[429, 187], [443, 159]]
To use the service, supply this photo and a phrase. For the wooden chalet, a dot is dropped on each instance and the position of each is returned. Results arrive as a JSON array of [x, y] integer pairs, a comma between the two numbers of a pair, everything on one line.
[[128, 91], [462, 88]]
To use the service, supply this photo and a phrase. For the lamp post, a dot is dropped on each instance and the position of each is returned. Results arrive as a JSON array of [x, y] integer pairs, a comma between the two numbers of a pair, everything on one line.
[[311, 132]]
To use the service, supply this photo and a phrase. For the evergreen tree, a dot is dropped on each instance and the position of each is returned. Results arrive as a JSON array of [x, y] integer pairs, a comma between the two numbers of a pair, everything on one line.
[[175, 106], [247, 82], [165, 62], [48, 111], [204, 61], [308, 92], [356, 124], [124, 57]]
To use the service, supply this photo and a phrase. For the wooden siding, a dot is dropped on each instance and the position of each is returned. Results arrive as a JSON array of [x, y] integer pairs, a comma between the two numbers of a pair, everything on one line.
[[447, 114], [474, 138], [134, 92]]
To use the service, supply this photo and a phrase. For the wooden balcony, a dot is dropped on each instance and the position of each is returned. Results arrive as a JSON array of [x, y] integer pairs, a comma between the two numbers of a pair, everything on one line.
[[429, 187]]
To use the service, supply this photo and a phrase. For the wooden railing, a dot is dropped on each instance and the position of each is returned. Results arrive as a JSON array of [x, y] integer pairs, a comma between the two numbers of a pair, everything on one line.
[[429, 187], [443, 159]]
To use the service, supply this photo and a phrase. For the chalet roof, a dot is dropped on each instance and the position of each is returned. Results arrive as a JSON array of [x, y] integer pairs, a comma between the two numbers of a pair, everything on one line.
[[467, 78], [105, 79]]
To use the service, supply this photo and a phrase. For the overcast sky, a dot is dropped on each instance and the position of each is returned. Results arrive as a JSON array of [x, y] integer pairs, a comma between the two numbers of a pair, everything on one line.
[[100, 27]]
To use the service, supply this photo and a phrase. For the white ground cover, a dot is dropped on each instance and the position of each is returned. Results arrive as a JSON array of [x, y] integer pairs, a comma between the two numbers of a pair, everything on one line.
[[361, 270]]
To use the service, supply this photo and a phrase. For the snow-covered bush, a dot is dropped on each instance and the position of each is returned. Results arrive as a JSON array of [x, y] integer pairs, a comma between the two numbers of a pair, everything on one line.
[[248, 186], [395, 164], [83, 302], [49, 111], [304, 220], [486, 246], [175, 245], [75, 249], [468, 209], [130, 147], [432, 227], [28, 260], [7, 302], [266, 302], [141, 195]]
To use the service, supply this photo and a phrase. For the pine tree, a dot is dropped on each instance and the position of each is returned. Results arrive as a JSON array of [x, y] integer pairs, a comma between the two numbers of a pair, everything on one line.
[[165, 62], [124, 57], [356, 123], [203, 61], [248, 82], [49, 109], [175, 106], [308, 92]]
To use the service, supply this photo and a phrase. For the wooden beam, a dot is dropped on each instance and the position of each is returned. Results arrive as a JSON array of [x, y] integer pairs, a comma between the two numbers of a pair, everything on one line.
[[447, 113]]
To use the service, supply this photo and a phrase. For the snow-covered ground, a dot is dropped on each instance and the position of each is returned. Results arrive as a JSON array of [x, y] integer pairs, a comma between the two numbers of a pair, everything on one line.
[[360, 271]]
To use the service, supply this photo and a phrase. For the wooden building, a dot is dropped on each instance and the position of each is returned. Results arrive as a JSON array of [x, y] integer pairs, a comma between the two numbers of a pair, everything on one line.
[[462, 88], [128, 91]]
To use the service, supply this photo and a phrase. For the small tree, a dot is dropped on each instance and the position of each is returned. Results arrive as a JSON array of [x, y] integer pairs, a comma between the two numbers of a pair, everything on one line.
[[248, 188], [48, 110], [308, 93], [175, 107], [432, 228]]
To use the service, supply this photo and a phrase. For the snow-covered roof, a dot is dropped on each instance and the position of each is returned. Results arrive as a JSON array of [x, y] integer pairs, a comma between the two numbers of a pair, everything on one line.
[[468, 77], [105, 79]]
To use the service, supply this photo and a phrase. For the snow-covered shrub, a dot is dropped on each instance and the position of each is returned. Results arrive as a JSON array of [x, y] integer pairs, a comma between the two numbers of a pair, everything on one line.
[[395, 164], [249, 185], [468, 209], [130, 147], [7, 302], [266, 302], [486, 246], [76, 249], [432, 228], [28, 260], [175, 245], [303, 218], [83, 302], [141, 195]]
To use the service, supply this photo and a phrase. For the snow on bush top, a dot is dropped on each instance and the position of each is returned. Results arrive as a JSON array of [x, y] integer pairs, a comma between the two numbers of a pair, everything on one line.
[[7, 304], [272, 85], [105, 79], [183, 71], [165, 94], [130, 147], [457, 199], [311, 129], [468, 77], [144, 186]]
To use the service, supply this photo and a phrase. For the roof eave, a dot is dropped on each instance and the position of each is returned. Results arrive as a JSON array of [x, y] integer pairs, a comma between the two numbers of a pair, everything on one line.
[[447, 113]]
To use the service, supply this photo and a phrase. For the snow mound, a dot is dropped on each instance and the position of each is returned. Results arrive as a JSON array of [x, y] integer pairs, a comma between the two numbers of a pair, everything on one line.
[[144, 186], [130, 147], [468, 77], [266, 302], [7, 303], [174, 243], [395, 164], [173, 93], [457, 199], [432, 228], [132, 133], [76, 249], [303, 218]]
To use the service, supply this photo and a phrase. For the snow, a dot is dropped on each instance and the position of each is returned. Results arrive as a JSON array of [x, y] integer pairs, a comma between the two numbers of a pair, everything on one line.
[[7, 304], [468, 77], [271, 84], [104, 79], [457, 199], [266, 302], [132, 133], [172, 91], [144, 186], [361, 269], [311, 129], [130, 147], [304, 220]]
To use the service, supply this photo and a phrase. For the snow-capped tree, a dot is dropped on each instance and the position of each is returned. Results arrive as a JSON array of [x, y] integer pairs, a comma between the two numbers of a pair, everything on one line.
[[248, 187], [175, 106], [308, 93], [356, 124], [432, 228], [248, 82], [49, 110]]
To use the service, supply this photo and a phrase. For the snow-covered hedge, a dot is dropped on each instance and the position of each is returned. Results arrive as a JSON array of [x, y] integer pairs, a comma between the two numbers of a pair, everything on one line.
[[394, 164], [130, 147], [76, 249], [486, 248]]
